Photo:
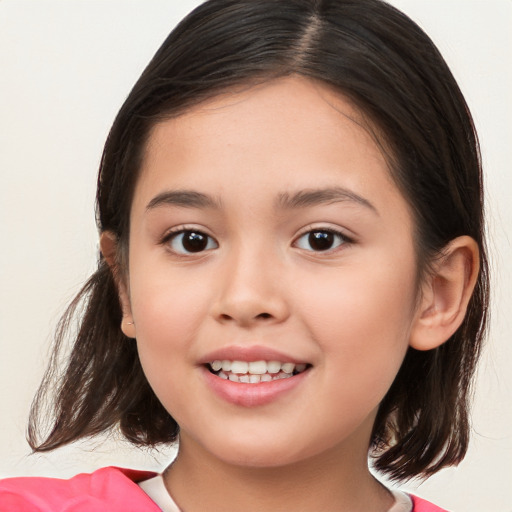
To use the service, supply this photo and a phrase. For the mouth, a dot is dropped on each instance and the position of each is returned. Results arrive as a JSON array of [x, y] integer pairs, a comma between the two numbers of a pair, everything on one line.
[[255, 372]]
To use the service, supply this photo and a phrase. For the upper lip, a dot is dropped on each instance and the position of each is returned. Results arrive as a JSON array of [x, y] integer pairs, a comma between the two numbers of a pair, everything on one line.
[[249, 353]]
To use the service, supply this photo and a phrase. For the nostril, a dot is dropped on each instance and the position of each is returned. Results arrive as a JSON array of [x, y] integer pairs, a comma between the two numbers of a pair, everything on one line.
[[243, 319]]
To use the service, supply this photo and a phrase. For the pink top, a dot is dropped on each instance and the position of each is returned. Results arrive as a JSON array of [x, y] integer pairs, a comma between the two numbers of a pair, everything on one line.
[[105, 490]]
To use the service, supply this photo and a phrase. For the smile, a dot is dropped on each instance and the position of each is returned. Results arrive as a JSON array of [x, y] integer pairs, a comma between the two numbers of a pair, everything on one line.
[[255, 372]]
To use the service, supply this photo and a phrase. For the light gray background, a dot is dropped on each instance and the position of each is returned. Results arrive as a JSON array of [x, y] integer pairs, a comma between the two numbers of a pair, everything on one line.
[[65, 68]]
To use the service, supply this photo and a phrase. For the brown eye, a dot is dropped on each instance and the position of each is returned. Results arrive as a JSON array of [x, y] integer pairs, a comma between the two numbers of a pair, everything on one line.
[[320, 240], [186, 242]]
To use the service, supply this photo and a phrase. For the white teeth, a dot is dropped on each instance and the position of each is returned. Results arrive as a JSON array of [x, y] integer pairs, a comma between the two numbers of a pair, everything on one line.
[[239, 366], [254, 372], [273, 367], [288, 367], [257, 367], [216, 365]]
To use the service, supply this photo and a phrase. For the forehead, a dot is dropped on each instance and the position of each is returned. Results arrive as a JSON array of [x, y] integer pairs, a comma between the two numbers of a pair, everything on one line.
[[284, 133], [286, 102]]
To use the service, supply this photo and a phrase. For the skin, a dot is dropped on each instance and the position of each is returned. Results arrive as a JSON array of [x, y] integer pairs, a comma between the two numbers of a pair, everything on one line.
[[351, 312]]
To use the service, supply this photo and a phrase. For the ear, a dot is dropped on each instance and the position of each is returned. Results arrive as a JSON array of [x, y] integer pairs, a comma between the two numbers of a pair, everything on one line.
[[445, 294], [109, 248]]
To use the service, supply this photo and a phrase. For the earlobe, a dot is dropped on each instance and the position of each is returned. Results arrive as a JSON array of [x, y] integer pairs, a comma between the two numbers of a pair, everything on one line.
[[445, 294], [109, 248]]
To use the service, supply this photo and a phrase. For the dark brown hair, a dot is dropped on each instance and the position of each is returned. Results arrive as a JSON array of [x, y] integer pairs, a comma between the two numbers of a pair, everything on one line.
[[387, 66]]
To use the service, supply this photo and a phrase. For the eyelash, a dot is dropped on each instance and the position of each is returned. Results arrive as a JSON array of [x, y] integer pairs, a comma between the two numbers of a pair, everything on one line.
[[211, 243], [343, 239], [173, 235]]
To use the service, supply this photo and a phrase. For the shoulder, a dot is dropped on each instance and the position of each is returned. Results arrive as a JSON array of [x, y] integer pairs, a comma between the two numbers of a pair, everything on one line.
[[108, 489], [421, 505]]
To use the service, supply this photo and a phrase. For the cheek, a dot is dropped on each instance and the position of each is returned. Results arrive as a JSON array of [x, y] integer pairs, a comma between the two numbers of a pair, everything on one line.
[[167, 315], [166, 305], [357, 300], [362, 320]]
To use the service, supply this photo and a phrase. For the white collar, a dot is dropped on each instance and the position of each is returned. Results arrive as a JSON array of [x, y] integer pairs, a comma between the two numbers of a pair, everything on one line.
[[156, 490]]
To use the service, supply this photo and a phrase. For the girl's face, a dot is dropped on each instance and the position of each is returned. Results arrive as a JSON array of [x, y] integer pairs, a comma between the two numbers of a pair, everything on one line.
[[266, 227]]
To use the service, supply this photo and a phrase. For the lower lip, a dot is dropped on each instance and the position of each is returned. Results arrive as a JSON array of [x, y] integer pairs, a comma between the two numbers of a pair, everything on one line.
[[252, 395]]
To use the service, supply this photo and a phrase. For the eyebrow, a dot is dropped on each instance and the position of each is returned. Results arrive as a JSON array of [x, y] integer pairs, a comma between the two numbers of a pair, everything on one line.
[[285, 201], [183, 198], [314, 197]]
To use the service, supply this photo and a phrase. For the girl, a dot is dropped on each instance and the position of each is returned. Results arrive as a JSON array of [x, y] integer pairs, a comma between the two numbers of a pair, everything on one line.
[[293, 270]]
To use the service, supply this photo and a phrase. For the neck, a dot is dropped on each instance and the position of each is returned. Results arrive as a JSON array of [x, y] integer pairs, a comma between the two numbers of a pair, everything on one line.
[[331, 481]]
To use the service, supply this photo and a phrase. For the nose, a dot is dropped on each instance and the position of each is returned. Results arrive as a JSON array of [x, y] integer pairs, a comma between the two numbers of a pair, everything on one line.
[[252, 291]]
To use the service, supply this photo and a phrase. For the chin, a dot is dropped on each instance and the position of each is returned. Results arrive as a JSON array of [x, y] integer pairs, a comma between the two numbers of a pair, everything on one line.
[[262, 452]]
